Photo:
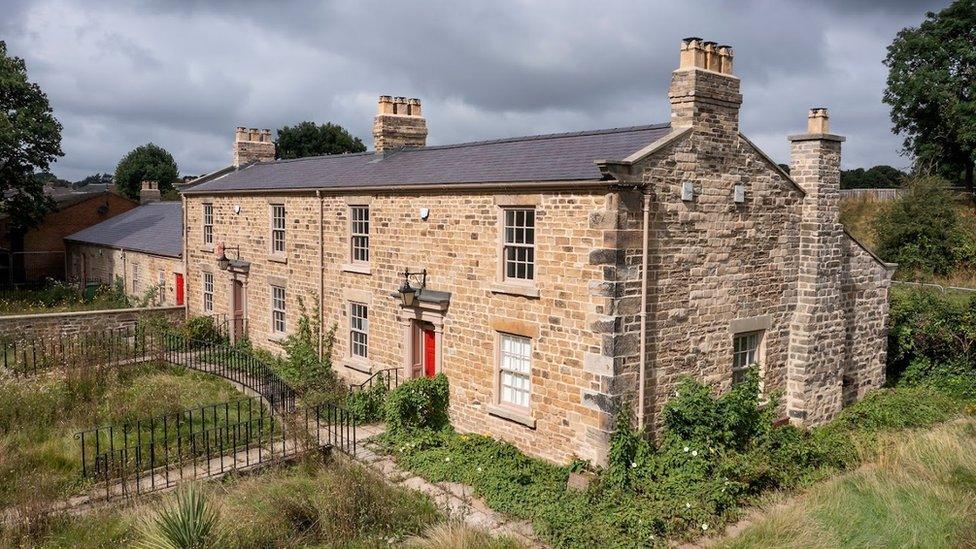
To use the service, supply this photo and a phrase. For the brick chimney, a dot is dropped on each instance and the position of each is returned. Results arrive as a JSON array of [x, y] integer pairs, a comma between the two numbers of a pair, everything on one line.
[[815, 372], [704, 92], [149, 192], [398, 125], [253, 145]]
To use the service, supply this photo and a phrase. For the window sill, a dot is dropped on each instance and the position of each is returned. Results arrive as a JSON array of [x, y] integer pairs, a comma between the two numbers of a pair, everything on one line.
[[207, 248], [277, 339], [514, 289], [359, 365], [505, 412], [278, 258], [359, 268]]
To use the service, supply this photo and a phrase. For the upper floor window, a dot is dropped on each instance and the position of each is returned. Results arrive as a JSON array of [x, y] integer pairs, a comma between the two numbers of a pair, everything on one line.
[[519, 244], [208, 291], [277, 309], [278, 228], [208, 224], [358, 330], [135, 278], [745, 353], [161, 282], [359, 231]]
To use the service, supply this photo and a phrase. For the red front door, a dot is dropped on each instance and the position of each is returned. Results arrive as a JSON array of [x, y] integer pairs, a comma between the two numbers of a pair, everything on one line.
[[179, 288], [430, 353]]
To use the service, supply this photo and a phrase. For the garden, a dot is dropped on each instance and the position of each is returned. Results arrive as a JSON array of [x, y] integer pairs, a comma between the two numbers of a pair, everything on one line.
[[56, 296]]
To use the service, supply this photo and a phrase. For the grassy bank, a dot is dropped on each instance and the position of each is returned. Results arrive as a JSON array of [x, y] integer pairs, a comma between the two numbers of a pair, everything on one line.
[[61, 297], [917, 492], [337, 504], [39, 417]]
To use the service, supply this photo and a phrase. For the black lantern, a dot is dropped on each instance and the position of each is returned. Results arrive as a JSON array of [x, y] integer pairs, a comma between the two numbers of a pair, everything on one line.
[[223, 262], [407, 292]]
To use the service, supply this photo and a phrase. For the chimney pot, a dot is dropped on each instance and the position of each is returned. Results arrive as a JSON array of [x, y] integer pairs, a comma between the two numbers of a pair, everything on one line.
[[725, 59], [385, 105], [818, 121], [414, 105], [692, 53], [712, 62], [400, 105], [149, 192]]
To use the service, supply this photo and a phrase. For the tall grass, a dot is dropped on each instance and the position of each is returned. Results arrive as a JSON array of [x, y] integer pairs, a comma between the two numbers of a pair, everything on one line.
[[918, 493]]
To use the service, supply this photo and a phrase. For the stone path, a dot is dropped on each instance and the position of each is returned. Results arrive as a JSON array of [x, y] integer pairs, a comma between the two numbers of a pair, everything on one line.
[[457, 500]]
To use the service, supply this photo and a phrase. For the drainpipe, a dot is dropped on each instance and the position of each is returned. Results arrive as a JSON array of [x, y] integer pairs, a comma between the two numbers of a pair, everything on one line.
[[641, 378], [318, 195]]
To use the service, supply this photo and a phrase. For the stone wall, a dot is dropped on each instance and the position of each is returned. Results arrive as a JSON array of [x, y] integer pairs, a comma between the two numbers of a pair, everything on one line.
[[459, 246], [138, 271], [65, 323]]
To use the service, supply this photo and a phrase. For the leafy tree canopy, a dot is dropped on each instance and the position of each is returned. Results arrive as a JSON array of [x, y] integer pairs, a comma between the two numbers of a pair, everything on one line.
[[30, 139], [878, 177], [932, 90], [146, 163], [921, 230], [311, 139]]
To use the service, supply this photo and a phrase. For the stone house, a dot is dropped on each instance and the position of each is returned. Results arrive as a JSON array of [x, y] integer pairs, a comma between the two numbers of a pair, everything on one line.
[[142, 249], [557, 277]]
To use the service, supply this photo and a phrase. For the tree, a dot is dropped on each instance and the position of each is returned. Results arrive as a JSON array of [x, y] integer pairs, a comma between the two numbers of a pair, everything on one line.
[[311, 139], [932, 90], [878, 177], [921, 230], [146, 163], [30, 139]]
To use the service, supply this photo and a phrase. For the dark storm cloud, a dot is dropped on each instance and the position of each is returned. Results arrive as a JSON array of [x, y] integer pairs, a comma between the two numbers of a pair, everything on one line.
[[184, 73]]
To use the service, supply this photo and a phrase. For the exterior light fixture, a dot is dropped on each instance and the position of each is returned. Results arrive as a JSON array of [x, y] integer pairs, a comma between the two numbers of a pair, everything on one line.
[[222, 260], [407, 292]]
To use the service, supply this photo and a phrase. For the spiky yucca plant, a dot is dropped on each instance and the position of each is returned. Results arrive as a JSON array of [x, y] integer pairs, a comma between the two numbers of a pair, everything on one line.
[[190, 522]]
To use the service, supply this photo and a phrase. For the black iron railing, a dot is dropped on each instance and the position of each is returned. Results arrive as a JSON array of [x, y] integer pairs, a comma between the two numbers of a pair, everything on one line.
[[387, 376], [113, 347], [156, 453]]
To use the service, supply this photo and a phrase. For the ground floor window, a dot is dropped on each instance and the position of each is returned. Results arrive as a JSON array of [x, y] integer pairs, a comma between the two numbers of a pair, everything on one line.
[[277, 309], [358, 330], [208, 289], [515, 368], [745, 353]]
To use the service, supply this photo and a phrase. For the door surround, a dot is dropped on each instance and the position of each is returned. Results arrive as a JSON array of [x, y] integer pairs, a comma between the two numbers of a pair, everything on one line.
[[231, 302], [421, 313]]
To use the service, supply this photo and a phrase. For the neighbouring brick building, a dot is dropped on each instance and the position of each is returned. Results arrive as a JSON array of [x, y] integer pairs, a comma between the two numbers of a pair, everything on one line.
[[141, 249], [566, 274], [39, 252]]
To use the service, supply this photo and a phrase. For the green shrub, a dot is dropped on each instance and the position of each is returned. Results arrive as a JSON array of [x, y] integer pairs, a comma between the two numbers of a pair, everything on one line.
[[201, 328], [419, 403], [190, 522], [921, 230], [368, 405]]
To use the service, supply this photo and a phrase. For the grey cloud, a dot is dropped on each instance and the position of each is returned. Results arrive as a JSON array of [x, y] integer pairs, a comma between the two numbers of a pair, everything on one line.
[[184, 73]]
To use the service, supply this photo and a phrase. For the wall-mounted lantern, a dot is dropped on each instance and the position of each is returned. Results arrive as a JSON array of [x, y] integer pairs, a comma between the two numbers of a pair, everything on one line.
[[222, 260], [408, 293]]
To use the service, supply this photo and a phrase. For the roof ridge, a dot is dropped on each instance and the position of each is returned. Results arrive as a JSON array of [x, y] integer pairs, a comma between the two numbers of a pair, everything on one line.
[[516, 139]]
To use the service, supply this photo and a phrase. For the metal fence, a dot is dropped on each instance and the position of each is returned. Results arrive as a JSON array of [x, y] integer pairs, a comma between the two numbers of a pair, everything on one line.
[[157, 453], [106, 348], [390, 377]]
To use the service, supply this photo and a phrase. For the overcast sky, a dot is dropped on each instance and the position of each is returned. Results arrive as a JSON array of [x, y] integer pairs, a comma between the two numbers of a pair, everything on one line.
[[184, 73]]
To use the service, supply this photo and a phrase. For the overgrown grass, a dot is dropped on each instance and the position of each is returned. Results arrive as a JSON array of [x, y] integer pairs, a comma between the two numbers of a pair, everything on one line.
[[918, 493], [712, 460], [60, 296], [337, 504], [39, 417]]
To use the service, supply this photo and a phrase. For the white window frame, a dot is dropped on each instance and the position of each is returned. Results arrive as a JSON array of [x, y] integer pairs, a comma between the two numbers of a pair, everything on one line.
[[278, 318], [747, 350], [135, 278], [359, 234], [277, 229], [514, 371], [208, 224], [162, 287], [358, 330], [518, 244], [208, 292]]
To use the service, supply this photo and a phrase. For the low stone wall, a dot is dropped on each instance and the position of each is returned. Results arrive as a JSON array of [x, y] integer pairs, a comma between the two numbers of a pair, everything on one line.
[[63, 323]]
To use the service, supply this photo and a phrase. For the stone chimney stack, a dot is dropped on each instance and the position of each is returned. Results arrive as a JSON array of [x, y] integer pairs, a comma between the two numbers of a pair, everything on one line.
[[253, 145], [149, 192], [704, 92], [398, 125], [815, 372]]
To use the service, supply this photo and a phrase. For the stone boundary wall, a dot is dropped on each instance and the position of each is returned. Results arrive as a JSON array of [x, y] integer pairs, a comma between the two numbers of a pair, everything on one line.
[[71, 322]]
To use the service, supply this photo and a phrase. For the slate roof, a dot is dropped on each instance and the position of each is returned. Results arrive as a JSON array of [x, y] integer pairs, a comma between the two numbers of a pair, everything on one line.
[[155, 228], [554, 157]]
